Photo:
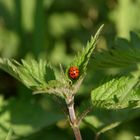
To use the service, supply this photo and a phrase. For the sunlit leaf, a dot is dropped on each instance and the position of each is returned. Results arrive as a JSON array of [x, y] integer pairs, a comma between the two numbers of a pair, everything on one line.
[[117, 93], [114, 102], [82, 59], [137, 137], [9, 136]]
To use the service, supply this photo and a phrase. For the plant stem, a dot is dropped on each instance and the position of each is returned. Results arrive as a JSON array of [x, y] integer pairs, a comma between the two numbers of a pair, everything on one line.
[[73, 119], [97, 136]]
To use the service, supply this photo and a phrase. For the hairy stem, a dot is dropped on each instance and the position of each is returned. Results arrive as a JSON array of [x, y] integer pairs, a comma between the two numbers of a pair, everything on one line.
[[73, 119]]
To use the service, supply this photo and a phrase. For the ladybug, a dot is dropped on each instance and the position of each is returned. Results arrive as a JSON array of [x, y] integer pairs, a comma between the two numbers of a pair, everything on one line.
[[73, 72]]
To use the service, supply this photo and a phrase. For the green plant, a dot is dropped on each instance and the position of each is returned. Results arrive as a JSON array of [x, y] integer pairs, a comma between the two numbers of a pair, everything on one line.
[[137, 137], [9, 135], [115, 100]]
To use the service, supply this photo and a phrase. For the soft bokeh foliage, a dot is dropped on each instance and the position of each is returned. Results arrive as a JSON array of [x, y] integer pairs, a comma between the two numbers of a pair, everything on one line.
[[56, 30]]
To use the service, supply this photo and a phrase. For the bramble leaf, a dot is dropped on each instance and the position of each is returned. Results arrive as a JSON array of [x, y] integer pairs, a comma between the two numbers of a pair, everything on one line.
[[38, 76], [117, 94], [9, 66], [113, 102], [82, 59], [30, 72], [124, 53], [117, 100]]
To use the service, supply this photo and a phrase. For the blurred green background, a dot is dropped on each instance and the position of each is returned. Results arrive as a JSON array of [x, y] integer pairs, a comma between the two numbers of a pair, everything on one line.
[[56, 30]]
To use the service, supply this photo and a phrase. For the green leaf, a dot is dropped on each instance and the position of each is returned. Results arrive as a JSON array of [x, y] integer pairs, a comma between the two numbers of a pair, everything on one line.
[[10, 66], [102, 120], [34, 73], [126, 17], [116, 94], [38, 76], [9, 134], [123, 54], [53, 87], [137, 137], [26, 116], [31, 73], [113, 102], [82, 59]]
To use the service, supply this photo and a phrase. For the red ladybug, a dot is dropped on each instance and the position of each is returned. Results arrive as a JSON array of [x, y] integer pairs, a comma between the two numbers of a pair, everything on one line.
[[73, 72]]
